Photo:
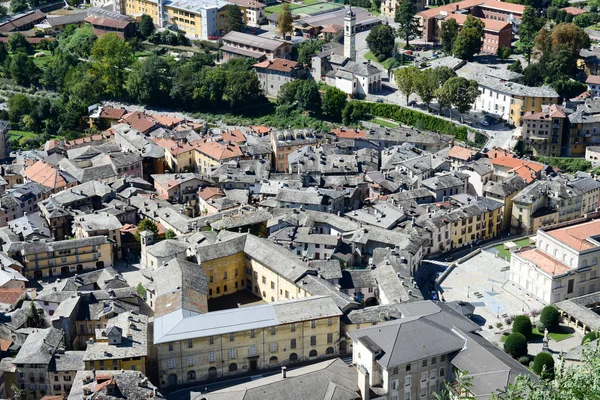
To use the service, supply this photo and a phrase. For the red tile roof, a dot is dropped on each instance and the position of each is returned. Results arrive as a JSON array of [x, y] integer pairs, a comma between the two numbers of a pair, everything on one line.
[[235, 136], [139, 121], [510, 162], [349, 134], [220, 151], [173, 146], [9, 296], [554, 111], [261, 130], [593, 79], [112, 113], [498, 153], [332, 28], [277, 64], [500, 5], [574, 10], [490, 24], [167, 121], [462, 153], [461, 5], [210, 192], [45, 174], [108, 22], [544, 262], [575, 236], [526, 173]]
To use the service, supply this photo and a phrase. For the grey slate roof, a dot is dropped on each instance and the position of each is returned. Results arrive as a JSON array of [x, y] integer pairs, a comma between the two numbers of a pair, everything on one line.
[[327, 380], [39, 346], [180, 278], [45, 247], [68, 361], [167, 247], [127, 386], [317, 286]]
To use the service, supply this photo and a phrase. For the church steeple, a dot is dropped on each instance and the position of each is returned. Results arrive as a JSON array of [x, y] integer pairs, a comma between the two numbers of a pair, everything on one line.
[[350, 34]]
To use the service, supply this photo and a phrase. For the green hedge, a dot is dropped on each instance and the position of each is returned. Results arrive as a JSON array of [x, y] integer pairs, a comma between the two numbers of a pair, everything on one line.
[[566, 164], [359, 110]]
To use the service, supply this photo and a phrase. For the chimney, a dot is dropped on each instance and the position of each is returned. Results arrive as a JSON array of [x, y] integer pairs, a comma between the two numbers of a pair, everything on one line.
[[283, 372]]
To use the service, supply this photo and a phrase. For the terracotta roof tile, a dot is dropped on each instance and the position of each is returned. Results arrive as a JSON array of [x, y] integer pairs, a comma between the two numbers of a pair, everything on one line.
[[462, 153], [490, 24], [500, 5], [575, 236], [544, 261], [9, 296], [220, 151], [209, 192], [112, 113], [574, 10], [173, 146], [45, 174], [349, 133], [277, 64], [593, 79]]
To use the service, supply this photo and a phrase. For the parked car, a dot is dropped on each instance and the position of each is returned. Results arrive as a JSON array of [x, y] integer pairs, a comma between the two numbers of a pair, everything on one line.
[[409, 52], [485, 123], [451, 258], [379, 101], [412, 103]]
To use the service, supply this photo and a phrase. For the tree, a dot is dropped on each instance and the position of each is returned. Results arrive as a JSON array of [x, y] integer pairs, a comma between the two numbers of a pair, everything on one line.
[[3, 11], [17, 6], [516, 345], [405, 79], [552, 13], [18, 106], [543, 365], [516, 67], [469, 40], [111, 56], [460, 92], [146, 225], [333, 102], [149, 81], [426, 85], [590, 337], [408, 24], [141, 290], [304, 93], [307, 49], [170, 234], [234, 19], [571, 36], [549, 318], [534, 74], [449, 34], [34, 319], [381, 41], [559, 3], [522, 325], [284, 20], [77, 43], [504, 52], [18, 43], [23, 70], [585, 20], [146, 26]]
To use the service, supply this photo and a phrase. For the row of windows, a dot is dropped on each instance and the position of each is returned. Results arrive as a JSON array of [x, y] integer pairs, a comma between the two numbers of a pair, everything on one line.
[[313, 340], [233, 366]]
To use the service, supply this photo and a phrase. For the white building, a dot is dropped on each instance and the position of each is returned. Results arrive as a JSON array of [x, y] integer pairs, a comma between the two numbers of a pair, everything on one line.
[[564, 264], [593, 84]]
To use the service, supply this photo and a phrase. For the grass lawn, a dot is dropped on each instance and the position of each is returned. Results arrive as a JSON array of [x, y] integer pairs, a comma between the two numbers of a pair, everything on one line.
[[41, 62], [20, 135], [385, 64], [275, 9], [385, 123], [556, 336], [505, 253], [311, 2], [142, 54]]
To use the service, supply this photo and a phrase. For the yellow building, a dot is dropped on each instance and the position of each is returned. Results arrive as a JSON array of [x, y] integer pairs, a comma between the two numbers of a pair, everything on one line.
[[44, 259], [179, 156], [202, 20], [266, 336], [123, 344], [213, 154], [480, 220], [504, 191], [521, 105]]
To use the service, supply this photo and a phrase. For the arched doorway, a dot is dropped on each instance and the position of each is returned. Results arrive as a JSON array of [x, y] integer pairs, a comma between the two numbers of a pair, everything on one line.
[[191, 375], [343, 347], [329, 351], [212, 372], [172, 380], [313, 353], [273, 360], [293, 357], [232, 367]]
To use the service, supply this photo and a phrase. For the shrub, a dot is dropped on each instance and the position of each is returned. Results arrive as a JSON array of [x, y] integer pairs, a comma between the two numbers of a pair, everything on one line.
[[504, 52], [569, 165], [590, 337], [524, 360], [549, 318], [522, 325], [543, 365], [516, 345]]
